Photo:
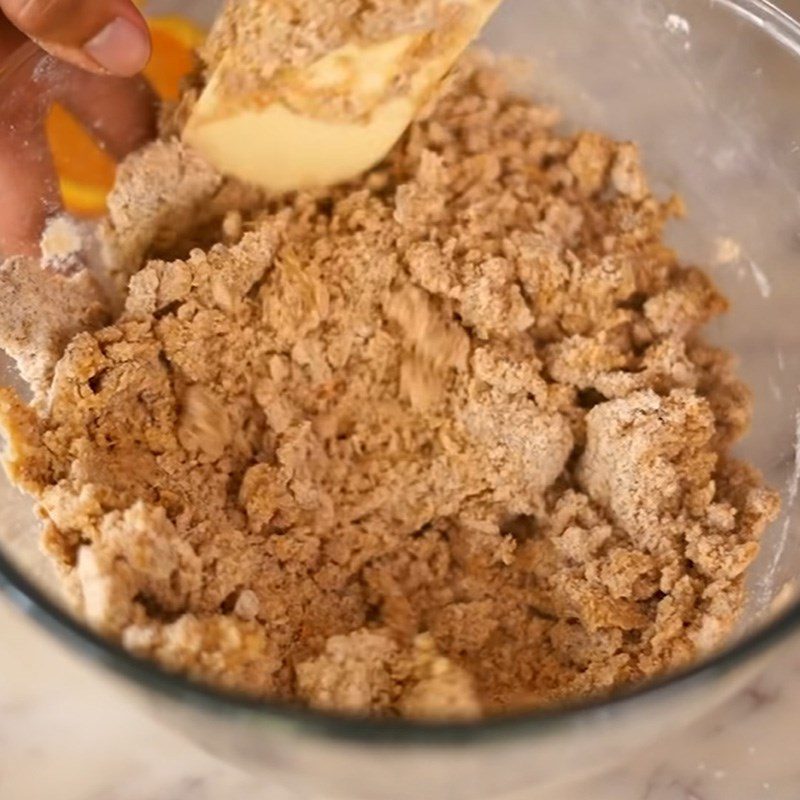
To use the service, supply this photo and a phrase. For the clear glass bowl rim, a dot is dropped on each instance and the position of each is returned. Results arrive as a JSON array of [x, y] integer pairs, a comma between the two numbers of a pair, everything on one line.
[[785, 30]]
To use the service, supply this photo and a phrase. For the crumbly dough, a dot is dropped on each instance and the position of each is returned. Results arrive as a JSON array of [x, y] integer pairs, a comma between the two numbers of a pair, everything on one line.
[[442, 443]]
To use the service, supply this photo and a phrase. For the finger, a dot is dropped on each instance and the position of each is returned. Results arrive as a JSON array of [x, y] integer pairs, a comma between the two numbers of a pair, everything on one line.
[[119, 112], [104, 36], [29, 195], [28, 186], [10, 39]]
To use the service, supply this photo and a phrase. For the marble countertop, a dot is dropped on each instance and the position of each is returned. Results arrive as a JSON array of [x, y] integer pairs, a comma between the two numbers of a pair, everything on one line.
[[68, 733]]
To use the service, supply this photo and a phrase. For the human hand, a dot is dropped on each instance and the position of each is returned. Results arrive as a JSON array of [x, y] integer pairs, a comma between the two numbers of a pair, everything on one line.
[[103, 36], [99, 44]]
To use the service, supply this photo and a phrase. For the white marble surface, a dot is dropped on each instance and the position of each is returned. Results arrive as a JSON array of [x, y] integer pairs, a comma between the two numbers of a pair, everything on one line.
[[67, 733]]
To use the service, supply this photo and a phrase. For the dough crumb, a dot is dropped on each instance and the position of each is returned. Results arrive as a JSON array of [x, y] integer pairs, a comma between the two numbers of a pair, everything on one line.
[[62, 244], [727, 250]]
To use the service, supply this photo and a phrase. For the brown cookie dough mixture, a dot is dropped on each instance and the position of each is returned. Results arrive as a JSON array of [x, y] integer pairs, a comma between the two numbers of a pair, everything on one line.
[[442, 443]]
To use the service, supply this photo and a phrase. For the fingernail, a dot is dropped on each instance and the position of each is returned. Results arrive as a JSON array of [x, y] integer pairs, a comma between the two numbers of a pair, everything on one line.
[[122, 48]]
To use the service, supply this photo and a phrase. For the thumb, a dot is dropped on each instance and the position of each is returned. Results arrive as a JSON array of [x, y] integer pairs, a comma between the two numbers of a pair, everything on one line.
[[107, 36]]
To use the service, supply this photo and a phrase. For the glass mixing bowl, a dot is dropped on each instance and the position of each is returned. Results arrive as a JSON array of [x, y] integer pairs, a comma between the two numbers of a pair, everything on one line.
[[711, 91]]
